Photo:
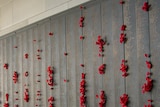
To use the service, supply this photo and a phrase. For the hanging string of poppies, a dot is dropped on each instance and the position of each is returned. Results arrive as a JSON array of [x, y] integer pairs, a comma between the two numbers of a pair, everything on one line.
[[123, 67], [148, 85], [100, 43], [83, 97]]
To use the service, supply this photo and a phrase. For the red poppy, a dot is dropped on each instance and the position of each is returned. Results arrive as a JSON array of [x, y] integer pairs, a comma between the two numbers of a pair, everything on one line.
[[122, 38], [123, 27], [15, 77], [102, 97], [100, 42], [149, 105], [5, 66], [26, 95], [7, 96], [26, 56], [124, 68], [82, 65], [81, 37], [121, 2], [6, 105], [124, 100], [146, 6], [149, 65], [102, 68], [83, 76], [147, 87], [50, 33], [65, 53]]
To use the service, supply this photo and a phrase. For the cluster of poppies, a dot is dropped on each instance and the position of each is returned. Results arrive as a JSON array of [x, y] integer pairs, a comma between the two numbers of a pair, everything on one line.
[[100, 42], [102, 68], [81, 21], [15, 77], [26, 95], [38, 97], [148, 85], [124, 100], [82, 91], [6, 104], [149, 103], [146, 6], [149, 82], [50, 101], [123, 38], [102, 101], [26, 56], [124, 68], [50, 76], [121, 2], [5, 66]]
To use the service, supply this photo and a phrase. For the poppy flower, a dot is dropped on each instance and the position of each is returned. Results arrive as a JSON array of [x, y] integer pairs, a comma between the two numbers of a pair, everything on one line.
[[5, 66], [149, 65], [124, 100], [121, 2], [147, 86], [81, 37], [123, 27], [26, 56], [122, 38], [50, 33], [146, 6], [102, 68]]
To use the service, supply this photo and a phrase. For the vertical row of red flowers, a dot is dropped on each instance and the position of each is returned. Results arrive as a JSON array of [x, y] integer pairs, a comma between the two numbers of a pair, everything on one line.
[[101, 42], [50, 82], [82, 88], [148, 85], [123, 67]]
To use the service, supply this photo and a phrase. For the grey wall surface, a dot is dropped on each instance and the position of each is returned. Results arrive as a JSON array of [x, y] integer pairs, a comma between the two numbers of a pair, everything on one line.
[[102, 17]]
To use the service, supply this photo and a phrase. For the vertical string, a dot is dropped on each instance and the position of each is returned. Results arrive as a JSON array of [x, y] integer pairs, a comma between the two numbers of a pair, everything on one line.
[[82, 43], [123, 48], [149, 46], [66, 63], [101, 32]]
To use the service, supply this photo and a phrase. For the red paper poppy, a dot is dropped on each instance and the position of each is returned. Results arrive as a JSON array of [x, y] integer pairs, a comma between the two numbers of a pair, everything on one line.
[[147, 87], [65, 53], [100, 42], [123, 27], [146, 55], [149, 105], [83, 76], [102, 97], [149, 65], [15, 77], [5, 66], [124, 100], [150, 100], [6, 105], [7, 96], [26, 95], [26, 74], [124, 68], [121, 2], [82, 65], [50, 33], [81, 37], [146, 6], [122, 38], [102, 68], [26, 56]]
